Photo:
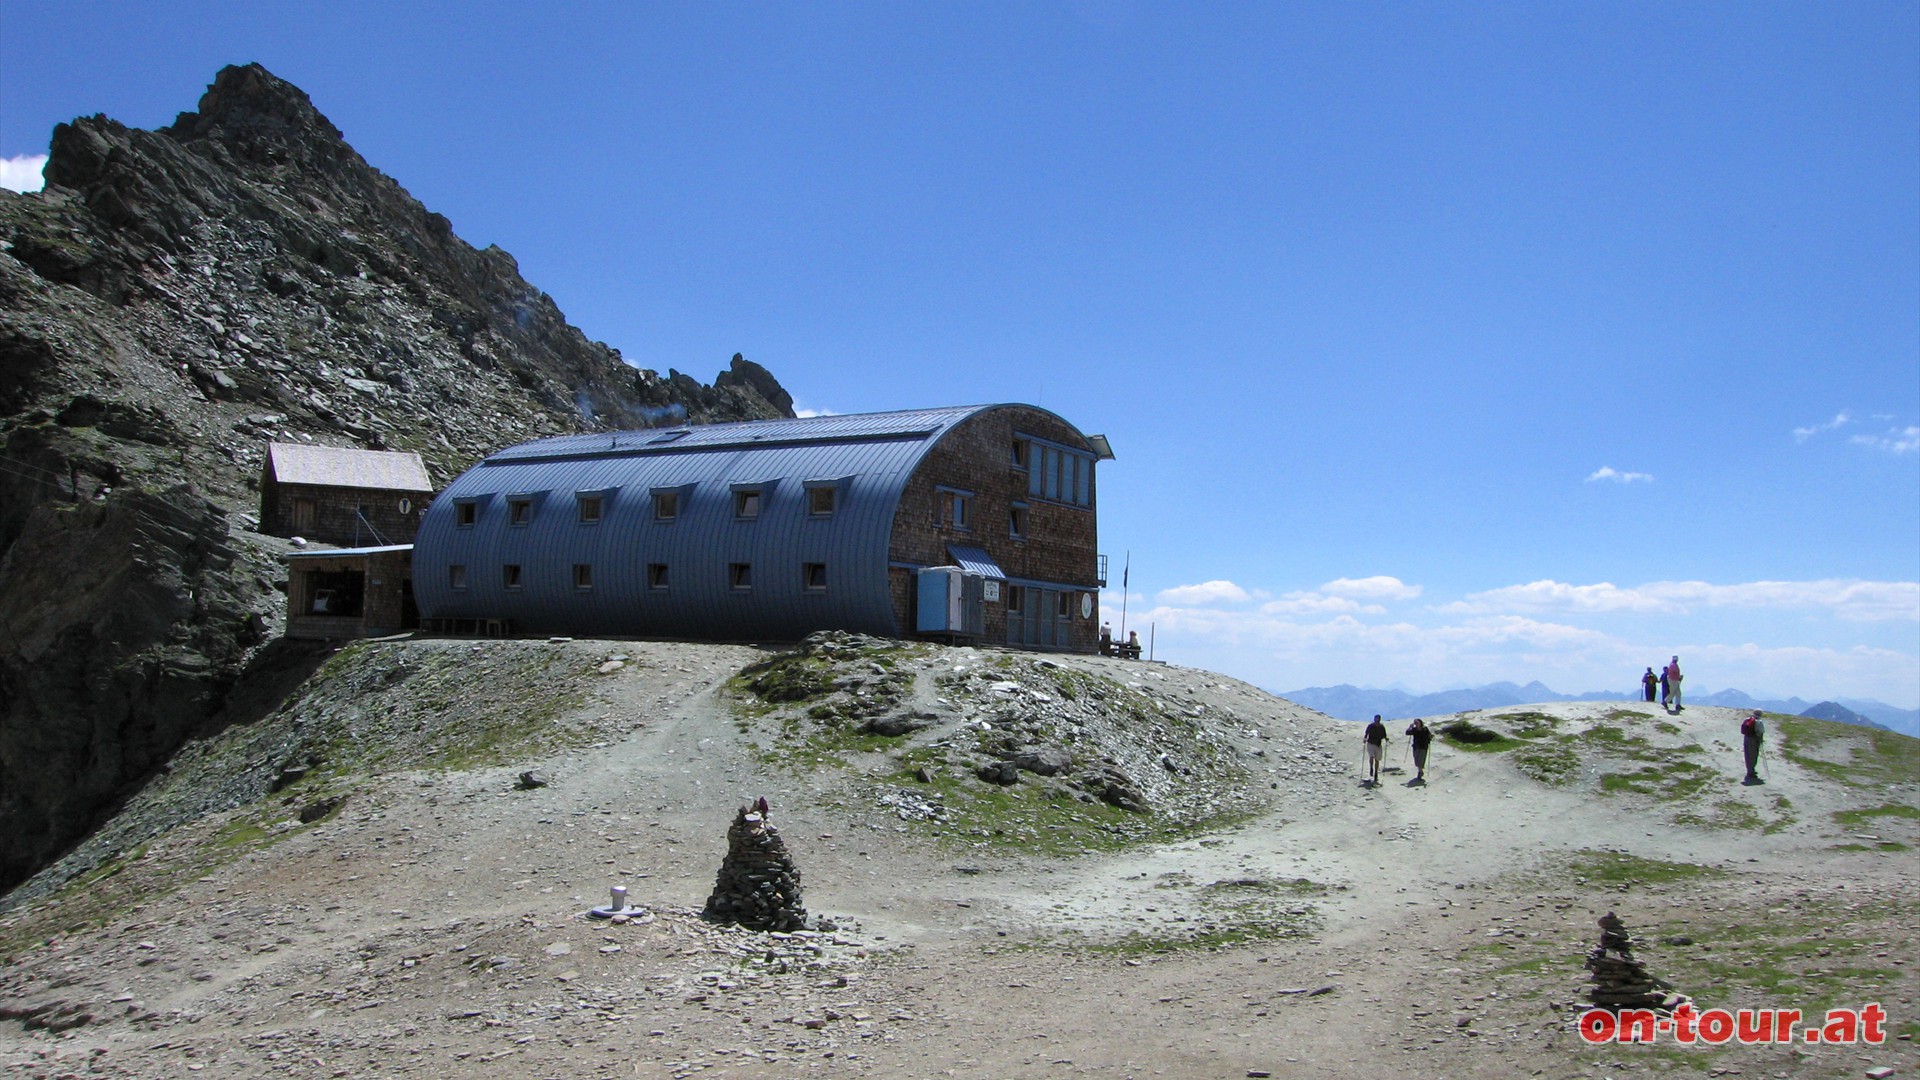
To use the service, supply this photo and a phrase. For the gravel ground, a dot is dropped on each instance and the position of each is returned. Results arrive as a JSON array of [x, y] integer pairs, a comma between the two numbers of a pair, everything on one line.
[[1270, 914]]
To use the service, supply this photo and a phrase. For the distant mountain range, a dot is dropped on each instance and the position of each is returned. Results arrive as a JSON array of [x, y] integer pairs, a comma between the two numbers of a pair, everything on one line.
[[1354, 703]]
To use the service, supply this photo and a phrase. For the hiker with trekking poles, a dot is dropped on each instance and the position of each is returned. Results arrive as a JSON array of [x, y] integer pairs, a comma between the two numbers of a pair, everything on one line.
[[1419, 738], [1376, 743], [1753, 731]]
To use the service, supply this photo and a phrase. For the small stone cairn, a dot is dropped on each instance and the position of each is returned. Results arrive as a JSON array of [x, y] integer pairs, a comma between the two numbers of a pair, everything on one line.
[[758, 886], [1620, 981]]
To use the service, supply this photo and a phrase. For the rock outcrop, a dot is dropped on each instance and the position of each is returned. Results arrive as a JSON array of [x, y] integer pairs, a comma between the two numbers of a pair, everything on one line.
[[171, 302]]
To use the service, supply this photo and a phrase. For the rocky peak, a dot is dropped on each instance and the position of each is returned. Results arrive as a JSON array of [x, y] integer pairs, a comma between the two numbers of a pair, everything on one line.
[[255, 112], [170, 303]]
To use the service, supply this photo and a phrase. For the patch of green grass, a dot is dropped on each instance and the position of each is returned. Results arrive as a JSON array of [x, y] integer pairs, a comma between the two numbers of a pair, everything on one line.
[[1464, 734], [1034, 815], [1857, 819], [1671, 781], [1554, 764], [1529, 725], [1616, 868], [1848, 753]]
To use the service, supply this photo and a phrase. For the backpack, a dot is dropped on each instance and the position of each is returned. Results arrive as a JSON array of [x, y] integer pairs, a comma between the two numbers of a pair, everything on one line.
[[1752, 728]]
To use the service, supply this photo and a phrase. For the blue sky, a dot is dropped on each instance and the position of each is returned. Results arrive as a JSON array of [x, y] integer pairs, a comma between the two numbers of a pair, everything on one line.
[[1438, 344]]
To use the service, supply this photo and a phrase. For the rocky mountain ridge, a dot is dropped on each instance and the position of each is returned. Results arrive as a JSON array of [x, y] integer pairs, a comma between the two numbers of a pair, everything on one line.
[[172, 301]]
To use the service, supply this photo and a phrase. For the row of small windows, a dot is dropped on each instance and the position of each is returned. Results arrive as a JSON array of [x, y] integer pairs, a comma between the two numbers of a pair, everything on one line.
[[821, 502], [952, 509], [1054, 472], [813, 576]]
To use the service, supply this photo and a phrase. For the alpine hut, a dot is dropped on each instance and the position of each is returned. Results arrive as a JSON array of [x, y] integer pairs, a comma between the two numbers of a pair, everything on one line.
[[970, 523], [340, 495]]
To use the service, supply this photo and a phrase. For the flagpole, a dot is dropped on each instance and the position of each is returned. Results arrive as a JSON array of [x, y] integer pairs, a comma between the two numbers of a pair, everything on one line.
[[1125, 573]]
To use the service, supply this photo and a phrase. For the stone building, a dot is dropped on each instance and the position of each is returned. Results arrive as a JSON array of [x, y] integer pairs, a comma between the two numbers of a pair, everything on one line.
[[336, 495], [973, 523]]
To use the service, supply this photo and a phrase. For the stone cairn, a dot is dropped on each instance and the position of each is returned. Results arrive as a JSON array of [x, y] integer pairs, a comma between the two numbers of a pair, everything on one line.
[[1620, 981], [758, 886]]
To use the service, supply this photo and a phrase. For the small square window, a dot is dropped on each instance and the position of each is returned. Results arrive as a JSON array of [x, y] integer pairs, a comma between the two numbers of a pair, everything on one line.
[[589, 509], [1016, 596], [1063, 604], [510, 575], [666, 505], [820, 501], [582, 575], [813, 576], [657, 575], [457, 576], [1017, 521], [465, 513], [1020, 451], [519, 511], [746, 504], [950, 509], [740, 575]]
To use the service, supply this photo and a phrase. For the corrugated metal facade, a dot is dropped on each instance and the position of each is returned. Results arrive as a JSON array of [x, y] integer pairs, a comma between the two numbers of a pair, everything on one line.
[[808, 570]]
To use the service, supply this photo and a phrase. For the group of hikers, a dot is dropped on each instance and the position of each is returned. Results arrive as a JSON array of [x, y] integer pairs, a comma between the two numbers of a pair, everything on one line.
[[1667, 682], [1753, 732], [1419, 736]]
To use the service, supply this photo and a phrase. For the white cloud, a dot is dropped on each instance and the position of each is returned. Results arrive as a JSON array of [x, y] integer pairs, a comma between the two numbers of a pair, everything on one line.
[[1904, 440], [809, 413], [23, 173], [1608, 472], [1840, 420], [1845, 599], [1207, 592], [1271, 650], [1312, 603], [1342, 596], [1378, 587]]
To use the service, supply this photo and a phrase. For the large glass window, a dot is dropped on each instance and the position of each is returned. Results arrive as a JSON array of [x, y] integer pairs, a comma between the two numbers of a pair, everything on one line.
[[1061, 475]]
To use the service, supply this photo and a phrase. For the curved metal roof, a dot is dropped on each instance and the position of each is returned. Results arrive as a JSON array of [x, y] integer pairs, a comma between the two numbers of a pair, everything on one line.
[[866, 458]]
